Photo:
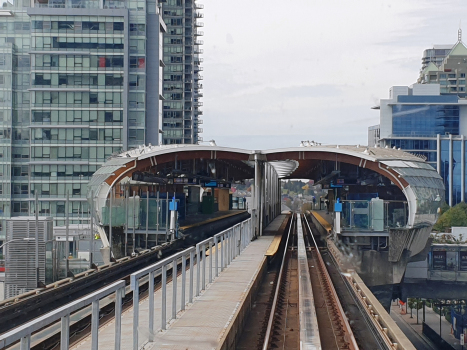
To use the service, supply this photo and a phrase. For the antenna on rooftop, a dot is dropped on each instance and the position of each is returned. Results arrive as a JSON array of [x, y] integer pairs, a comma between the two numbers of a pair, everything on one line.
[[459, 33]]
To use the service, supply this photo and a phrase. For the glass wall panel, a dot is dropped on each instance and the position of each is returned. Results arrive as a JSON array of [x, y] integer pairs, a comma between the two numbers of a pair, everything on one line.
[[425, 120]]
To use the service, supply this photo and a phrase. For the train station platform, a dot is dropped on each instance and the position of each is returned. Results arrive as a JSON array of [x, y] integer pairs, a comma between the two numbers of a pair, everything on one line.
[[199, 219], [214, 318]]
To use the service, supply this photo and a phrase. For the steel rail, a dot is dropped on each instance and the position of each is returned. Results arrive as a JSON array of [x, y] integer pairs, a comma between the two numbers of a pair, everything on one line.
[[342, 316], [377, 330], [267, 336], [23, 308]]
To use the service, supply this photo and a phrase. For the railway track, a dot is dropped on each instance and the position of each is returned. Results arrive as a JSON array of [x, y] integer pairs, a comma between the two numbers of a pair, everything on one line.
[[327, 325], [48, 338], [24, 308], [305, 310]]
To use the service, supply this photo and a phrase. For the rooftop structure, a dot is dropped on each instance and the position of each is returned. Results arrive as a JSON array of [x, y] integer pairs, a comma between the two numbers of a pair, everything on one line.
[[447, 68], [404, 170]]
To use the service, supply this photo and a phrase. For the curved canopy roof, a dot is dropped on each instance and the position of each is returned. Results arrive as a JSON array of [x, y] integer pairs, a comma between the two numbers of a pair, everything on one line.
[[421, 184]]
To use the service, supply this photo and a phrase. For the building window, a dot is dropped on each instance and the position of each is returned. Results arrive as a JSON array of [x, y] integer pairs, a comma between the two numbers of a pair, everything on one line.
[[425, 120]]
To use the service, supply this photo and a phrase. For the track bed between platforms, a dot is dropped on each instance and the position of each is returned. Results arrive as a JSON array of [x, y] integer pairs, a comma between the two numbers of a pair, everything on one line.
[[303, 309]]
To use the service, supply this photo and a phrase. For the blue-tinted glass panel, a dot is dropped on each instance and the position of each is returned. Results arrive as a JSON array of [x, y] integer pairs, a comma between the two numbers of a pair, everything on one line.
[[456, 171], [445, 165], [422, 120], [429, 145], [465, 179], [427, 99]]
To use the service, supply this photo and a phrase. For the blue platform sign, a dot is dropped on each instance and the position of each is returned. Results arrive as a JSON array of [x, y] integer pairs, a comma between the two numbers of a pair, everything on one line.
[[173, 205], [338, 206]]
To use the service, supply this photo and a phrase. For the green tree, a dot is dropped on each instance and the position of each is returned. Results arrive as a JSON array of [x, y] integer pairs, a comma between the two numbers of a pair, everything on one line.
[[455, 216], [414, 303]]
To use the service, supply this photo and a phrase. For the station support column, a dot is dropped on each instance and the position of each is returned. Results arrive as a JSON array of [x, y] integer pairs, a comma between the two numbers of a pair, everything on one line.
[[257, 195], [262, 196], [261, 191]]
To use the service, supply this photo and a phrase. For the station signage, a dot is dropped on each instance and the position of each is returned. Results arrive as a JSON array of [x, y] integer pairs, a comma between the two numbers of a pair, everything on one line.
[[439, 260], [215, 184], [185, 181], [463, 261], [226, 185]]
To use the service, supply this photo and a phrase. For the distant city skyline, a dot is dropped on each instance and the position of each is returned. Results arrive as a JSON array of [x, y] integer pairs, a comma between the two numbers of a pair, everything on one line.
[[314, 73]]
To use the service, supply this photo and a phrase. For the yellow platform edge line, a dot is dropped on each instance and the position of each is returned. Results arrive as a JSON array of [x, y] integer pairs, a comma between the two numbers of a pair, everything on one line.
[[322, 221], [274, 246]]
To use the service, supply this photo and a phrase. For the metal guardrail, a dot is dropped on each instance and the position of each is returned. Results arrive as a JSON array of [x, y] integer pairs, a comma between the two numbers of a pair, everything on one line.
[[389, 332], [23, 333], [229, 242]]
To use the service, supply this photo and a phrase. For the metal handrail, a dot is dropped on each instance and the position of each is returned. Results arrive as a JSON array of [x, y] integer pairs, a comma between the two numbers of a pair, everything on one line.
[[223, 241], [160, 266], [23, 332], [230, 242]]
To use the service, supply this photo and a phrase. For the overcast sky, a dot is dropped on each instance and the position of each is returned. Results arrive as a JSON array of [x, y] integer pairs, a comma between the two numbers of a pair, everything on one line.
[[276, 72]]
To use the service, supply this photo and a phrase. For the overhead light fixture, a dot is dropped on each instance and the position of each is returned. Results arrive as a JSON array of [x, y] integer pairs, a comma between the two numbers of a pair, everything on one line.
[[212, 167]]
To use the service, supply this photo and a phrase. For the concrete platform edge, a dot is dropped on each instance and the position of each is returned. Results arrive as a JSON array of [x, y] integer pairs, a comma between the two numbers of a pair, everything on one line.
[[230, 337]]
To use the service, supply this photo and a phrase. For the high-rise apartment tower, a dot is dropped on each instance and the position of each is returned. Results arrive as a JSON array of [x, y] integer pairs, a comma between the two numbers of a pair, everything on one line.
[[79, 80], [182, 83]]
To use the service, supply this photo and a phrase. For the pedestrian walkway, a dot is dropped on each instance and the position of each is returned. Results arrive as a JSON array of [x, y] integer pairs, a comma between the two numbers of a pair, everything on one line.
[[414, 331], [205, 323]]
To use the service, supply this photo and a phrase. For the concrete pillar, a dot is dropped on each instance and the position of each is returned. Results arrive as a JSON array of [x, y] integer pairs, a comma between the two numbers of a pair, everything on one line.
[[273, 192], [257, 195], [262, 196]]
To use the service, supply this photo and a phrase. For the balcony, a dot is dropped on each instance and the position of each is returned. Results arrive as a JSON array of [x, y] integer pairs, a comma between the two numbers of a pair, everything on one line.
[[198, 111], [199, 15], [199, 6], [199, 42], [199, 60], [198, 33], [200, 130], [198, 51], [200, 121], [198, 68], [199, 77], [199, 24], [198, 104], [198, 94]]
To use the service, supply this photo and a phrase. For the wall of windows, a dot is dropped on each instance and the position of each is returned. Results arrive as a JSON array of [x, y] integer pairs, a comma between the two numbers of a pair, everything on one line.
[[74, 153], [91, 117], [77, 62], [64, 96], [425, 120]]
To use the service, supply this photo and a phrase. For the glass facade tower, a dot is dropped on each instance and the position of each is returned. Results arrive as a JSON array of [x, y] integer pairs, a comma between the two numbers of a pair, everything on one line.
[[79, 81], [422, 121], [182, 83]]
